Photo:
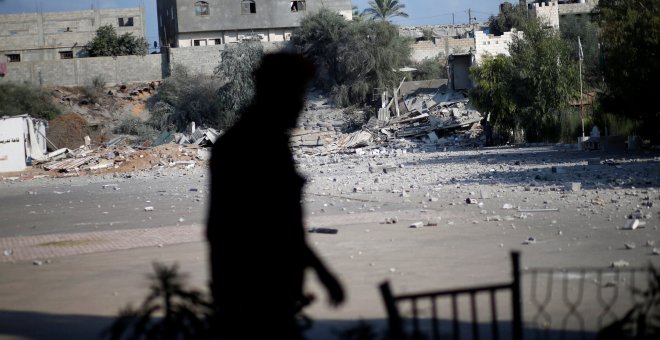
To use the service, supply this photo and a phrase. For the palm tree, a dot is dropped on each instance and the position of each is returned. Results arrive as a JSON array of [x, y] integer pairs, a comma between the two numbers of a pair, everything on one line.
[[385, 9], [357, 16]]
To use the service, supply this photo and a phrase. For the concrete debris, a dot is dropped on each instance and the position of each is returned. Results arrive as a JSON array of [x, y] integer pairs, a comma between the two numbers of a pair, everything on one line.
[[7, 252], [656, 251], [630, 245], [148, 208], [507, 206], [533, 210], [416, 225], [471, 201], [619, 264], [631, 224]]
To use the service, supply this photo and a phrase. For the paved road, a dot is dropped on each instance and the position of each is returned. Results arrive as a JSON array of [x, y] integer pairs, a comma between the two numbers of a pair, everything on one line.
[[101, 203]]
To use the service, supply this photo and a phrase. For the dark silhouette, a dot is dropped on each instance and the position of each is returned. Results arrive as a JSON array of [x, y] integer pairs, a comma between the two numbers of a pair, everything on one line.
[[255, 229]]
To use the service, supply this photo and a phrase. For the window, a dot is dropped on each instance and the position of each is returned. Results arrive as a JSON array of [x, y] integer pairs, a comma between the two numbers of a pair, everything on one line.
[[297, 6], [248, 7], [66, 55], [201, 8], [200, 42], [13, 58], [217, 41], [125, 22]]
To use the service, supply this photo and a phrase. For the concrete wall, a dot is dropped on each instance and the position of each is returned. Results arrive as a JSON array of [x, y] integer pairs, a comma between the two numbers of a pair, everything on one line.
[[179, 17], [493, 45], [81, 71], [441, 47], [41, 36]]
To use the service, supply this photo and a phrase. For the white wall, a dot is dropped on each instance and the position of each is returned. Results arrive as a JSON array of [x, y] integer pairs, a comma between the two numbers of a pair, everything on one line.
[[12, 144]]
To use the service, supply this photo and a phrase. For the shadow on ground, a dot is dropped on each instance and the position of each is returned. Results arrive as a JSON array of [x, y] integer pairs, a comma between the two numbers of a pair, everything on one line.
[[35, 325]]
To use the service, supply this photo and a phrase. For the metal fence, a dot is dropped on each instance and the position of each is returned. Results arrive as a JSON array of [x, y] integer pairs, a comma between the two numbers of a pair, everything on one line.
[[539, 303]]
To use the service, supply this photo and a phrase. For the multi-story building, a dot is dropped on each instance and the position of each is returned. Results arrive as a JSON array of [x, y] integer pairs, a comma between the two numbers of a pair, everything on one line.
[[185, 23], [61, 35]]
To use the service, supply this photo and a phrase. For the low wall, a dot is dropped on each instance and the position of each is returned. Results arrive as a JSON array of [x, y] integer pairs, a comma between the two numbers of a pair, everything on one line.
[[442, 47], [81, 71]]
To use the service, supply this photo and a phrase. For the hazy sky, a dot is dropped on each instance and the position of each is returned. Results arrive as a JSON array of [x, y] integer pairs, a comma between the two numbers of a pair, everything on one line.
[[422, 12]]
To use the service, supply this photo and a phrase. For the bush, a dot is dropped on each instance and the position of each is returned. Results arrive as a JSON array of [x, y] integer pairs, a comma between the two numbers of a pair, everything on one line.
[[430, 68], [107, 43], [18, 99], [185, 97], [137, 127]]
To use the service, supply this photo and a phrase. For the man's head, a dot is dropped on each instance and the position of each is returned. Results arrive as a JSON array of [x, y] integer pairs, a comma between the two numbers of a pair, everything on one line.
[[281, 82]]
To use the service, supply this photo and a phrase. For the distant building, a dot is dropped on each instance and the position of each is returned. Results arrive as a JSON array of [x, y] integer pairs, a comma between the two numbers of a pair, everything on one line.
[[61, 35], [189, 23]]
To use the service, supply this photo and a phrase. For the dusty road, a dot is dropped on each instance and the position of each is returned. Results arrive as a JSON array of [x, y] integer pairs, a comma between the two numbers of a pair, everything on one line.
[[561, 208]]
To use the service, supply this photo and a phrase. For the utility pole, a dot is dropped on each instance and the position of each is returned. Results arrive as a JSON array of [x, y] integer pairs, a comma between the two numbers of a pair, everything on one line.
[[470, 16], [581, 56], [452, 19]]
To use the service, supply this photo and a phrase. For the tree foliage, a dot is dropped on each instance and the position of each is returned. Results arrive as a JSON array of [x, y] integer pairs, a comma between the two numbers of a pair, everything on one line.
[[630, 35], [353, 57], [107, 43], [17, 99], [529, 89], [214, 100], [236, 69], [574, 26], [384, 10], [430, 68], [510, 16], [186, 97], [545, 78], [493, 78]]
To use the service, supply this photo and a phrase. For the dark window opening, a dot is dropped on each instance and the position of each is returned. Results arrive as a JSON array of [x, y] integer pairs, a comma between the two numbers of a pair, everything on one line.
[[13, 58], [297, 6], [66, 55], [202, 8], [195, 42], [218, 41], [126, 22], [248, 7]]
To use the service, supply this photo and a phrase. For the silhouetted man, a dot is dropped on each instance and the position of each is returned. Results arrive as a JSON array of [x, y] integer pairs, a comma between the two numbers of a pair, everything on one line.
[[255, 229]]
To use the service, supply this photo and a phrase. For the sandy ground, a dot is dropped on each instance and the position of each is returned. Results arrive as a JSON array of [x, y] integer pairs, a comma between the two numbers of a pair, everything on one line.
[[467, 244]]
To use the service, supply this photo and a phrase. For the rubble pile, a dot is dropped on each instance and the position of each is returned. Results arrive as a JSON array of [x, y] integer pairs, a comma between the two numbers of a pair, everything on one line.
[[124, 154], [436, 118]]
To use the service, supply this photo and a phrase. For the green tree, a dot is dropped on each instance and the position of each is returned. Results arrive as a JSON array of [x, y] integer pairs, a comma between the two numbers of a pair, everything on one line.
[[107, 43], [353, 57], [574, 26], [510, 16], [630, 35], [545, 79], [493, 77], [528, 91], [236, 69], [384, 10], [17, 99]]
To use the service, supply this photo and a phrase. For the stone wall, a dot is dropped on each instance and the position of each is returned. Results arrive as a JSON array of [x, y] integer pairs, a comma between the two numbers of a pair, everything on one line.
[[81, 71], [577, 8]]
